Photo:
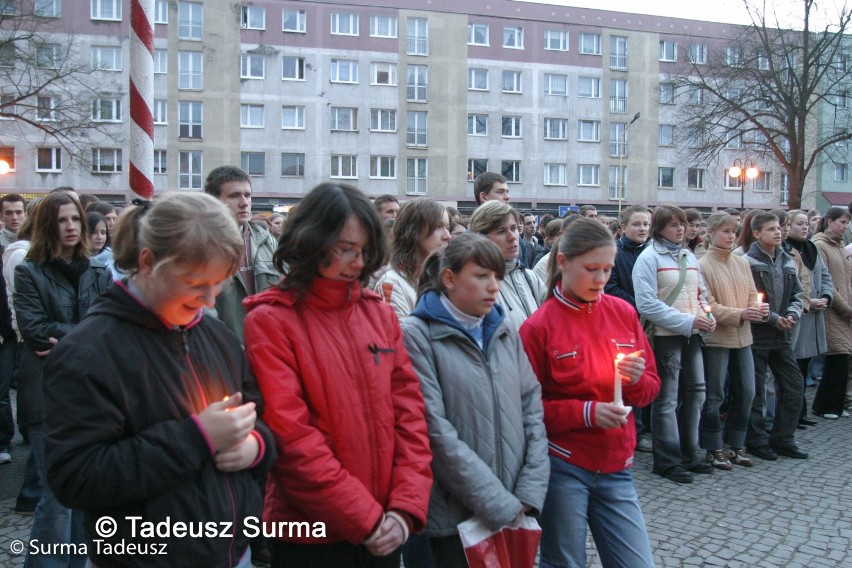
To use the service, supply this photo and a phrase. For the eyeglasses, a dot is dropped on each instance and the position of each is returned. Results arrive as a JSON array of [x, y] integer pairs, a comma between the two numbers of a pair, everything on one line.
[[348, 255]]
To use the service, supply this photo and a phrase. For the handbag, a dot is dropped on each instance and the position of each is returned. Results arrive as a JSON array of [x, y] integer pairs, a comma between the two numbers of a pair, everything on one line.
[[513, 546], [649, 327]]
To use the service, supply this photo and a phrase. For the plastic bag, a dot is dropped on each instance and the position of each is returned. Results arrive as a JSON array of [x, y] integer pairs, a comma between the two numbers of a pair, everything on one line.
[[513, 546]]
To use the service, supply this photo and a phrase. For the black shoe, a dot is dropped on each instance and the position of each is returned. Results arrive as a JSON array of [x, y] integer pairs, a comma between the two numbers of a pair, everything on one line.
[[791, 452], [800, 426], [808, 422], [763, 452], [702, 468], [678, 475]]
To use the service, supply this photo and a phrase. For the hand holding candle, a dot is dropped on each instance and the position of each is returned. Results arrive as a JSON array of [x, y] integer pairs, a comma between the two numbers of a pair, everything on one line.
[[227, 422], [764, 308]]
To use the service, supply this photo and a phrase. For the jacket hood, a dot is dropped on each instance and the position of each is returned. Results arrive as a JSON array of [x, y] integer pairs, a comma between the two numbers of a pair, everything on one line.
[[18, 245], [825, 238], [430, 308], [118, 302]]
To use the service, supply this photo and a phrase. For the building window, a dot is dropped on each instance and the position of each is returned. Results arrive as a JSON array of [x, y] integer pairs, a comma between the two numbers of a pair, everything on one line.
[[160, 162], [731, 182], [106, 10], [189, 170], [253, 163], [477, 34], [190, 70], [382, 73], [555, 84], [667, 132], [698, 54], [8, 55], [763, 61], [763, 181], [383, 167], [253, 18], [511, 170], [733, 56], [668, 50], [694, 96], [7, 7], [416, 81], [293, 21], [665, 178], [417, 128], [190, 115], [477, 79], [588, 174], [383, 26], [590, 44], [251, 116], [161, 16], [618, 53], [512, 82], [48, 56], [617, 145], [555, 174], [667, 94], [734, 139], [46, 108], [161, 115], [344, 24], [589, 87], [106, 110], [418, 36], [416, 176], [252, 66], [734, 94], [343, 71], [8, 106], [556, 129], [293, 117], [7, 154], [617, 182], [293, 68], [191, 20], [106, 160], [106, 58], [48, 160], [695, 178], [513, 37], [161, 61], [843, 99], [382, 120], [344, 118], [589, 131], [618, 96], [511, 127], [784, 189], [476, 167], [556, 40], [344, 166], [48, 8], [292, 165], [477, 125]]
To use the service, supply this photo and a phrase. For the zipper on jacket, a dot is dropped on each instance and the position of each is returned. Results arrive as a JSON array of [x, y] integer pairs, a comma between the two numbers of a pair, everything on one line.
[[572, 354], [365, 404]]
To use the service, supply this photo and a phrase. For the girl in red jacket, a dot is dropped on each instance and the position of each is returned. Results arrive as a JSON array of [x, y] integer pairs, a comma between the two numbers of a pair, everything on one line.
[[342, 399], [573, 341]]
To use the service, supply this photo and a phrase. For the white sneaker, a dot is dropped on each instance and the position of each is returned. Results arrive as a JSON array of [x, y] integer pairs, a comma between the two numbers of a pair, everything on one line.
[[5, 457], [829, 416], [844, 414]]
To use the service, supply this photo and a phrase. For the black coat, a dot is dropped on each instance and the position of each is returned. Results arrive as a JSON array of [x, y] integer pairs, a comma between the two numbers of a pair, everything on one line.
[[122, 391], [620, 282]]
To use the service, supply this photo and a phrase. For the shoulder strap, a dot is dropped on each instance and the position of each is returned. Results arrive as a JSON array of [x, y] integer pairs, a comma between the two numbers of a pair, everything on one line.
[[681, 278]]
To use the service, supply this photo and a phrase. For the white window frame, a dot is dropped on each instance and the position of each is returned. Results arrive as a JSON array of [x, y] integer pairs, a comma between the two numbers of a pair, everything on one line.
[[299, 164], [417, 83], [556, 40], [477, 124], [106, 58], [383, 120], [734, 139], [590, 44], [594, 84], [345, 23], [555, 128], [417, 33], [555, 174], [187, 120], [473, 28], [695, 178], [668, 50], [344, 71], [161, 162], [588, 130], [48, 8], [46, 108], [190, 21], [384, 26], [298, 19], [667, 94], [662, 178], [589, 175], [161, 112], [762, 183], [344, 166], [417, 176], [476, 167], [251, 115], [190, 71], [516, 78], [474, 74], [55, 157], [344, 119], [190, 166], [248, 66], [513, 37], [48, 56], [382, 167], [106, 110], [667, 135], [299, 69], [417, 129], [249, 162], [694, 95], [698, 54], [109, 10], [161, 61], [383, 73], [161, 12], [253, 17], [297, 113], [511, 170], [733, 56], [550, 79], [731, 182], [112, 165], [515, 126]]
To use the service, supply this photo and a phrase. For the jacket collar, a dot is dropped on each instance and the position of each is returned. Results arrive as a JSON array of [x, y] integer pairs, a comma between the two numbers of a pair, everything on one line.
[[719, 253], [631, 245], [430, 309], [121, 303], [326, 294], [572, 304]]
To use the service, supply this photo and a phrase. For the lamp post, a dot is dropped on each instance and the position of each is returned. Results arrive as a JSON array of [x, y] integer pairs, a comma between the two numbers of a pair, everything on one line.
[[621, 161], [743, 169], [5, 168]]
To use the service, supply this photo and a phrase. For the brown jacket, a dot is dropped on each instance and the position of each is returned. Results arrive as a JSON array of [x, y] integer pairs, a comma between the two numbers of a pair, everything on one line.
[[838, 328], [730, 290]]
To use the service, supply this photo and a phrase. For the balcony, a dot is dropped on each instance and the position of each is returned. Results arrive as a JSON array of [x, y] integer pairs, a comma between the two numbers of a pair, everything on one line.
[[618, 105], [617, 149], [618, 61]]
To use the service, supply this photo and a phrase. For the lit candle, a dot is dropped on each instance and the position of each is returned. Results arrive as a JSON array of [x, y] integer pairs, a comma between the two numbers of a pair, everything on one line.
[[760, 297], [617, 397], [226, 400], [709, 312]]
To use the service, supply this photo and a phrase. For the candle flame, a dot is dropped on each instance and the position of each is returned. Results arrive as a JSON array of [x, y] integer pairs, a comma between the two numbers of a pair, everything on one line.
[[760, 297], [708, 309], [619, 357]]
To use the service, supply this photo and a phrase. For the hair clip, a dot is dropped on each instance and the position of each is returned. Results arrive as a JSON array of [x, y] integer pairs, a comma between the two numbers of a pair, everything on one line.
[[143, 203]]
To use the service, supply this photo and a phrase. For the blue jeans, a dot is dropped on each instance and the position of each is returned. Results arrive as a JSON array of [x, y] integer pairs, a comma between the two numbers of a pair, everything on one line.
[[607, 503], [677, 409], [717, 362], [53, 523]]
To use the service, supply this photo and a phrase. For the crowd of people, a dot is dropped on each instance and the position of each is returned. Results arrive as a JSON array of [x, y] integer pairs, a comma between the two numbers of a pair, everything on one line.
[[389, 371]]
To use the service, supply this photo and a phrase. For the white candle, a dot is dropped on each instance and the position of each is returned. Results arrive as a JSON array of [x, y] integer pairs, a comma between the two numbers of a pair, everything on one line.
[[617, 397], [760, 298]]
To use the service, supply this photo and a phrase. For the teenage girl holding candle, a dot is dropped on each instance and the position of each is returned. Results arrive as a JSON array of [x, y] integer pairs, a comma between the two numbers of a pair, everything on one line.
[[572, 342]]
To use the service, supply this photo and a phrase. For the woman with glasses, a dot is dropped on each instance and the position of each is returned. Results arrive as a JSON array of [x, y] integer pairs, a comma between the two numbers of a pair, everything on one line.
[[671, 294], [341, 397]]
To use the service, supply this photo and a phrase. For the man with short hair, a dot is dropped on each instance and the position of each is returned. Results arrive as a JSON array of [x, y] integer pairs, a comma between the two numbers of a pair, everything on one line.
[[530, 247], [232, 186], [589, 211], [489, 186], [387, 205], [12, 208]]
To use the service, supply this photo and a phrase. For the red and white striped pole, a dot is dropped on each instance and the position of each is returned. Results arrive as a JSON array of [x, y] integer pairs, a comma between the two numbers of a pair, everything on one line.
[[142, 98]]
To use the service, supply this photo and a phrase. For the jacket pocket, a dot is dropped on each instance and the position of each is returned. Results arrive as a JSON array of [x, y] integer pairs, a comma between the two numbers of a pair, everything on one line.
[[567, 363]]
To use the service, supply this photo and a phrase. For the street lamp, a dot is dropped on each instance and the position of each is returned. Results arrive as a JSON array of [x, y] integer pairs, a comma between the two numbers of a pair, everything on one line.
[[5, 168], [742, 170], [621, 161]]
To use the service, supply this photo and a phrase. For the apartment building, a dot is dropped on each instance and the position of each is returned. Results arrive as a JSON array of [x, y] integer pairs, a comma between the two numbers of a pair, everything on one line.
[[410, 97]]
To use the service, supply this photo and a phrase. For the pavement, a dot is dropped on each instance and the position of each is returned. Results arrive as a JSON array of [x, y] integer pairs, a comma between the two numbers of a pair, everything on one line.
[[787, 513]]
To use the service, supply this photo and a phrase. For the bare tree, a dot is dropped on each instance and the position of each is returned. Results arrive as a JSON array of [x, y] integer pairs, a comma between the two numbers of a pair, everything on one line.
[[769, 90], [46, 84]]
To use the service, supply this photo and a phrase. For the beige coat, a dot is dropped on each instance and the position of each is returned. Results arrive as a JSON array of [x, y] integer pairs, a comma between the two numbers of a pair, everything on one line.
[[838, 328], [730, 290]]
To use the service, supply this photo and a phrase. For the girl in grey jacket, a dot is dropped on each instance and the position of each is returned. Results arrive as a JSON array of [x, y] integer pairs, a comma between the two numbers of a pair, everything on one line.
[[483, 402]]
